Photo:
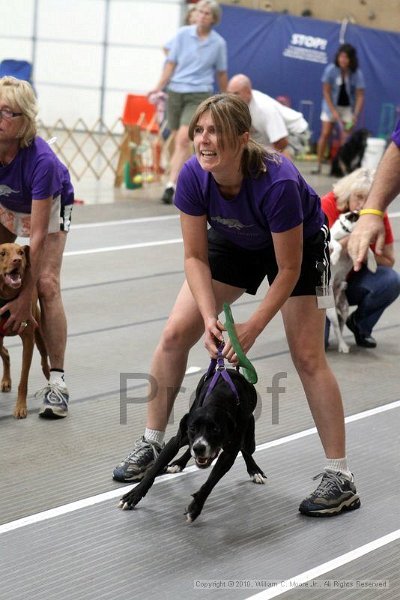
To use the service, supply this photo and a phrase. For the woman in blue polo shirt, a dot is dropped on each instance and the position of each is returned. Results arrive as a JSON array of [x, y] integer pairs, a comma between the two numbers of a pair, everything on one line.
[[196, 55]]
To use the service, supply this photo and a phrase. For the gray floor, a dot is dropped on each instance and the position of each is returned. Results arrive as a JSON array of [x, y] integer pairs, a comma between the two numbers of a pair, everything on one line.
[[61, 533]]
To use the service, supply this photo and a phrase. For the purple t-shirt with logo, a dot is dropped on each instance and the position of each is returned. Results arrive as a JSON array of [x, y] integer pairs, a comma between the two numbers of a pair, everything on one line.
[[396, 135], [34, 174], [276, 201]]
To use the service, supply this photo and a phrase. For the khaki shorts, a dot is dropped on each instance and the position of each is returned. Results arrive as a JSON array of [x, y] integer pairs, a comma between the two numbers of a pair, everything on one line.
[[345, 113], [181, 107]]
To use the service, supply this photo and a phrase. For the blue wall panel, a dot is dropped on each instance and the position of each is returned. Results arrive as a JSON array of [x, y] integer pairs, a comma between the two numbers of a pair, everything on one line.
[[286, 55]]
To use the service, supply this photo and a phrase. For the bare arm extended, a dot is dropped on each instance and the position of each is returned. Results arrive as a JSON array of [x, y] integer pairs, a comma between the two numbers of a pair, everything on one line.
[[370, 228]]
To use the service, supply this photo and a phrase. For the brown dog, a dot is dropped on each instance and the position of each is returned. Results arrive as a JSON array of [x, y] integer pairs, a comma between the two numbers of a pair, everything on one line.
[[13, 261]]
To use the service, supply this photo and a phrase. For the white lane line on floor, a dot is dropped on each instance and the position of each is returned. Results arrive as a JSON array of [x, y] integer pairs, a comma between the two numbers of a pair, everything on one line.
[[339, 561], [91, 501], [126, 247], [135, 246], [84, 503], [125, 222], [351, 419], [140, 220]]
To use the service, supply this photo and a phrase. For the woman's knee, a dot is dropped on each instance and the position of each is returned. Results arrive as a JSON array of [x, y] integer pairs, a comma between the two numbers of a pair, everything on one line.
[[182, 138], [309, 361], [48, 286], [178, 335], [325, 137]]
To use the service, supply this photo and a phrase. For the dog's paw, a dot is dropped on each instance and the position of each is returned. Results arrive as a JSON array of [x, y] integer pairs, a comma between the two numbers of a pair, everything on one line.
[[343, 347], [259, 478], [20, 412], [6, 385], [188, 516], [173, 469], [125, 505], [128, 502], [193, 510]]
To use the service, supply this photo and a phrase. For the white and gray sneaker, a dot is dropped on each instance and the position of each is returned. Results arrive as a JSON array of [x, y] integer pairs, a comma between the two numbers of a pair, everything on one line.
[[135, 465], [335, 494], [54, 398]]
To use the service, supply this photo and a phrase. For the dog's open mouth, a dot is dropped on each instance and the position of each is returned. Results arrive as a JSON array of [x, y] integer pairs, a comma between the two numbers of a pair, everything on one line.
[[13, 279], [203, 462]]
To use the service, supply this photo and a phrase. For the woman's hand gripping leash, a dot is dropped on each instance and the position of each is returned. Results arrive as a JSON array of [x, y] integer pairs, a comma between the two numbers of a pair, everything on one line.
[[232, 348]]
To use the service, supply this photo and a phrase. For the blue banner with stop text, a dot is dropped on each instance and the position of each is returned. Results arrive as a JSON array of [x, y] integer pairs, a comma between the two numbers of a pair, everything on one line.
[[286, 56]]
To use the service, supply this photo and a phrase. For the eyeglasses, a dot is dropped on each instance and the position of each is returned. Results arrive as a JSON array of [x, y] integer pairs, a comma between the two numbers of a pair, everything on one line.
[[7, 114]]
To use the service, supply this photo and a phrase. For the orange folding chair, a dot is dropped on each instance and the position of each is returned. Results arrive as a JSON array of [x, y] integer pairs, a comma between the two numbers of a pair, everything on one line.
[[139, 119], [139, 111]]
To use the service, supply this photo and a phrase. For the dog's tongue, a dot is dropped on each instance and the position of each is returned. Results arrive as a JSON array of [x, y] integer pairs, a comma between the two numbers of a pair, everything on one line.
[[13, 280]]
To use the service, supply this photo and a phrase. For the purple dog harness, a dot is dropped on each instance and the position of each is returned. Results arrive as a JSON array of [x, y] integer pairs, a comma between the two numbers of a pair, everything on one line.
[[217, 366]]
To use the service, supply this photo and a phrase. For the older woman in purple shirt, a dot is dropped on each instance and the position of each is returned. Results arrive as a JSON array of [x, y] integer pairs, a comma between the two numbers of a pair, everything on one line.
[[36, 198]]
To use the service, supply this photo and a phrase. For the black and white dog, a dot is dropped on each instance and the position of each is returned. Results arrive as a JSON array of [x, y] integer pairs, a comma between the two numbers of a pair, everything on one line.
[[341, 265], [219, 423]]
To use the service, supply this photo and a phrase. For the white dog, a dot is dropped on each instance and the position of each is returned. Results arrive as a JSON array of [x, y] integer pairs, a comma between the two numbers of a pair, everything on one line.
[[341, 265]]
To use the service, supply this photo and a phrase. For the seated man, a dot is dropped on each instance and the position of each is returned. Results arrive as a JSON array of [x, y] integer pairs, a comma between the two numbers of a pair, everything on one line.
[[273, 124]]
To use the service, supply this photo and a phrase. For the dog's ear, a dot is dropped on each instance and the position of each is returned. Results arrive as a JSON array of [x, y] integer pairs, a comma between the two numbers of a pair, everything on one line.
[[184, 423], [353, 216], [183, 434], [27, 252]]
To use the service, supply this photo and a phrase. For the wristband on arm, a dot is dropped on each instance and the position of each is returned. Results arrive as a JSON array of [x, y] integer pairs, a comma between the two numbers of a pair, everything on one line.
[[372, 211]]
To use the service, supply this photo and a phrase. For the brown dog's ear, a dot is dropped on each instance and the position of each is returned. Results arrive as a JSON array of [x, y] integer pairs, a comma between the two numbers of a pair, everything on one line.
[[27, 250]]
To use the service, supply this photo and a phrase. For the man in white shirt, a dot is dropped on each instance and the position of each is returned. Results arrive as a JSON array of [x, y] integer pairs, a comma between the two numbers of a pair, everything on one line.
[[273, 124]]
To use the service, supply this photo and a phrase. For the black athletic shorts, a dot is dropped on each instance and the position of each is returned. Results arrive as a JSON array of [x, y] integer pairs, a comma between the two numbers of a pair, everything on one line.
[[247, 269]]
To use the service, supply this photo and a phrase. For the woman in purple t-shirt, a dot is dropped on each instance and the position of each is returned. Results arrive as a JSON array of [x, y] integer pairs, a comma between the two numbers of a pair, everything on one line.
[[36, 198], [264, 221]]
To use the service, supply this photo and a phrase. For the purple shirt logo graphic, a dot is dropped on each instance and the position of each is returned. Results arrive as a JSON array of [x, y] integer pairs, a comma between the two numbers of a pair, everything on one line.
[[5, 190]]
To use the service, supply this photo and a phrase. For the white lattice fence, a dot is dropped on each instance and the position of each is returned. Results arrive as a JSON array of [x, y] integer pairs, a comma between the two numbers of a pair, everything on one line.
[[100, 151], [86, 150]]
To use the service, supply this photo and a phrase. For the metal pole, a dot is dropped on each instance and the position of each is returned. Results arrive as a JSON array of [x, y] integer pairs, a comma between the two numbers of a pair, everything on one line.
[[104, 60], [34, 37]]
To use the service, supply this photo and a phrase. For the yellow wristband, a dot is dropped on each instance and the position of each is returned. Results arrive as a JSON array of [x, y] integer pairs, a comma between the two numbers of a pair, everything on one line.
[[372, 211]]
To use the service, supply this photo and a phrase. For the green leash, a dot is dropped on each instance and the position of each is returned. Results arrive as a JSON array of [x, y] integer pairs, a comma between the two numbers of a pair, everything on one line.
[[248, 370]]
